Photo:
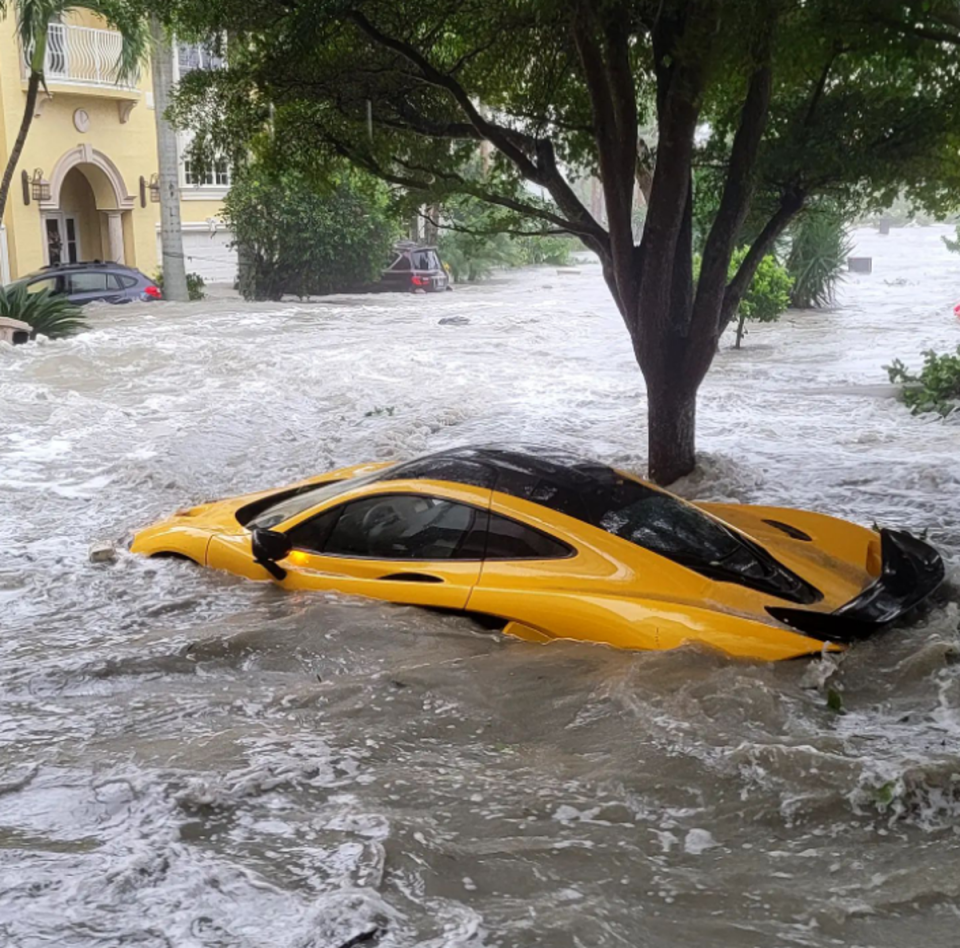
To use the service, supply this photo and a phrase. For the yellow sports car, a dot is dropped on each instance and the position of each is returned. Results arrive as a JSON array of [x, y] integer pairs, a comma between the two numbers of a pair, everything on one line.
[[558, 547]]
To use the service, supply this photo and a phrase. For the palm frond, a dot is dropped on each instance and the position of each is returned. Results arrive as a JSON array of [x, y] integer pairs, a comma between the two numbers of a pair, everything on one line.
[[35, 16], [819, 249], [130, 23], [45, 313]]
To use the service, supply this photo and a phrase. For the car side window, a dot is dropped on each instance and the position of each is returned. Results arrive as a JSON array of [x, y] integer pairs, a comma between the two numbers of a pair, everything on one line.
[[311, 534], [401, 526], [119, 281], [91, 281], [48, 283], [402, 263], [509, 540]]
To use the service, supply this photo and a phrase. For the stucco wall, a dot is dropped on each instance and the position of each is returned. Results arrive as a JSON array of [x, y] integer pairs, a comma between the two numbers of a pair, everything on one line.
[[124, 137]]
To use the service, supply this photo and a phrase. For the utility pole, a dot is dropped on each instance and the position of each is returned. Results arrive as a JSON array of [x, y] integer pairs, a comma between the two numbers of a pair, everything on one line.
[[168, 159]]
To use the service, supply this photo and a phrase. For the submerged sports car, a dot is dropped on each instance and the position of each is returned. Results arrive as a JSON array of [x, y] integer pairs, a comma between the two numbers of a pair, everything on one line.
[[557, 547]]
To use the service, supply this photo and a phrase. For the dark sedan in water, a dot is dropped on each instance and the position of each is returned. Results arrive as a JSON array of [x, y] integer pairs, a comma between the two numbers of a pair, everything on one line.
[[94, 282]]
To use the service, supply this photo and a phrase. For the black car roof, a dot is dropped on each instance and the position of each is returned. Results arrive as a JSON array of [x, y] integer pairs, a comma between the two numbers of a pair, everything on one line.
[[61, 269], [553, 478], [626, 508], [82, 265]]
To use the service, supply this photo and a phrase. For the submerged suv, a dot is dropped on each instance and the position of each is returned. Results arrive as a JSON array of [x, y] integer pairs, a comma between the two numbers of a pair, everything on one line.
[[414, 269], [93, 282]]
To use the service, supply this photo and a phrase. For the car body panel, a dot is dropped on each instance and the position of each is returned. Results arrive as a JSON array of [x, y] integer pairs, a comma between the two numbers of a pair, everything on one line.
[[604, 589]]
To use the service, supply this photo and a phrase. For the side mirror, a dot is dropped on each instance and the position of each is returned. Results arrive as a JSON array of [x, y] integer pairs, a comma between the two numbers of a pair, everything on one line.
[[268, 547]]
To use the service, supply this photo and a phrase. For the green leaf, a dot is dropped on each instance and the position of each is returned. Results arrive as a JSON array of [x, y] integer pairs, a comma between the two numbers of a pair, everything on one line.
[[835, 701]]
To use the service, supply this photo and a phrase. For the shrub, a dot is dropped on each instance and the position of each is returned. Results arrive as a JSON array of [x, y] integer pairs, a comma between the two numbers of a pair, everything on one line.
[[46, 314], [195, 285], [297, 238], [818, 255], [768, 296], [936, 388]]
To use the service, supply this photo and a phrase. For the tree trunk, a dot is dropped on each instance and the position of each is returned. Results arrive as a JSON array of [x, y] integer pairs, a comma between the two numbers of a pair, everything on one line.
[[168, 160], [743, 319], [431, 226], [32, 86], [246, 271], [672, 420]]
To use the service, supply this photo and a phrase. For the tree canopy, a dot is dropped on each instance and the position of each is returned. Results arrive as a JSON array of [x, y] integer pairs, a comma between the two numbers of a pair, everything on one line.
[[755, 110]]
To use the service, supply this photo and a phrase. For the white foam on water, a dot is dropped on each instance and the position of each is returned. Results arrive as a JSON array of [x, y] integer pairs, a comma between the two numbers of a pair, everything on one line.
[[187, 759]]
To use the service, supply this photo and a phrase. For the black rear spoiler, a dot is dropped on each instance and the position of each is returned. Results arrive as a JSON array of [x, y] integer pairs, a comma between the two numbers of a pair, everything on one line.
[[911, 569]]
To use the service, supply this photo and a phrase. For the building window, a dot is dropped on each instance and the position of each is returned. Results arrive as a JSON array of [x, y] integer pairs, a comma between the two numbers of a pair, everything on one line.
[[216, 176], [192, 56]]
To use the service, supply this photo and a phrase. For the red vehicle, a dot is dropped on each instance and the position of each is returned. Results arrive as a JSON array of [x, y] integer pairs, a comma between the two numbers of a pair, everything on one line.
[[414, 269]]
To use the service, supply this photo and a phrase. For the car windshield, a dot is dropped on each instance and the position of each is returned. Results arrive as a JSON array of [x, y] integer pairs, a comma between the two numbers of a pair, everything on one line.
[[426, 260], [290, 505], [680, 532], [667, 526]]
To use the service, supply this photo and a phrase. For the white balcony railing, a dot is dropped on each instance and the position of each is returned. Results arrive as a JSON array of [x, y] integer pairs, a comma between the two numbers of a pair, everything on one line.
[[84, 56]]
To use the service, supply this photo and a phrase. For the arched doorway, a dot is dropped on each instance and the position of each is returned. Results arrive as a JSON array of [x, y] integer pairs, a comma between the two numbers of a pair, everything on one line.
[[73, 232], [83, 220]]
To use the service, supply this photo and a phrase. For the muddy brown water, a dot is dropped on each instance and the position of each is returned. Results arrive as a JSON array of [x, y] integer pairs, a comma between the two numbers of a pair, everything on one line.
[[191, 760]]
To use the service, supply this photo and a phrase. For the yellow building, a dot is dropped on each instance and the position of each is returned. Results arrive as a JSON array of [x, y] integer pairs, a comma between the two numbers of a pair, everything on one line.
[[94, 141]]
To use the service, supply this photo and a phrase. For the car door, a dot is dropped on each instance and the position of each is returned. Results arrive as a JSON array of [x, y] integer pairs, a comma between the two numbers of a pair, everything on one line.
[[528, 577], [401, 546], [88, 286]]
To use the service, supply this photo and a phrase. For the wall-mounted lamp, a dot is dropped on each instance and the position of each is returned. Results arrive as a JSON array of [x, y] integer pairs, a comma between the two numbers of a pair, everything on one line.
[[154, 188], [39, 187], [143, 191]]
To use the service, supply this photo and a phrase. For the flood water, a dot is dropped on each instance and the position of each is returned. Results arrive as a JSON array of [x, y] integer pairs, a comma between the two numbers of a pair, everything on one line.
[[189, 760]]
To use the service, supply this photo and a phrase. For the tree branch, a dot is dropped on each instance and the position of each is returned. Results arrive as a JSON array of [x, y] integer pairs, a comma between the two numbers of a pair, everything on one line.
[[819, 88], [365, 160], [492, 232], [737, 193], [920, 32], [609, 81], [790, 204], [543, 121], [509, 142], [418, 124], [432, 75]]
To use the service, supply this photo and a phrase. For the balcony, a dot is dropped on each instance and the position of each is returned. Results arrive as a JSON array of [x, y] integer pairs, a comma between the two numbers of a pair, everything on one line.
[[84, 56]]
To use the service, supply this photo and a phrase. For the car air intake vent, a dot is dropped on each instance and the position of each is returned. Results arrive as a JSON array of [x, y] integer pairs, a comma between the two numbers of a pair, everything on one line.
[[790, 531]]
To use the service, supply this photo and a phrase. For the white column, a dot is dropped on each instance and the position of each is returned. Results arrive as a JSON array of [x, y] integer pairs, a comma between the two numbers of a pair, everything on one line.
[[115, 233]]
